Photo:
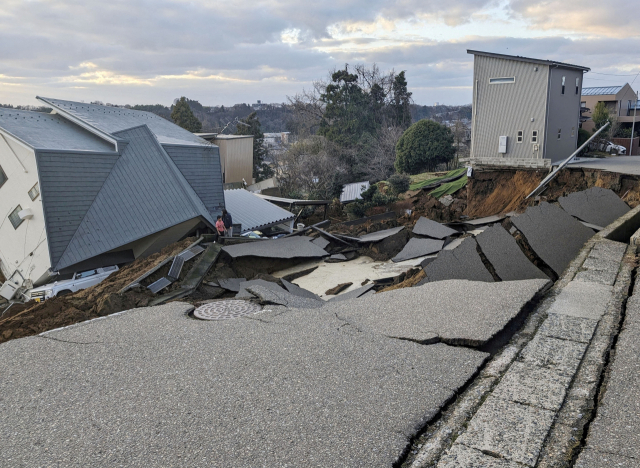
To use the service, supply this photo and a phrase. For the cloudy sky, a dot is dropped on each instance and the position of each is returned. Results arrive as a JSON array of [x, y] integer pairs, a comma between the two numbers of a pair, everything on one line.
[[226, 52]]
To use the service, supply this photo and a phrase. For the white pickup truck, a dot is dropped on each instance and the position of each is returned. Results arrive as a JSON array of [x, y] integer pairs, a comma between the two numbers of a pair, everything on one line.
[[79, 281]]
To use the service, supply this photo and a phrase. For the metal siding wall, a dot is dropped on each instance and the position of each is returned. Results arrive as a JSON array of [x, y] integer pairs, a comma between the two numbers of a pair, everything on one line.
[[200, 166], [69, 184], [237, 156], [503, 109], [564, 113]]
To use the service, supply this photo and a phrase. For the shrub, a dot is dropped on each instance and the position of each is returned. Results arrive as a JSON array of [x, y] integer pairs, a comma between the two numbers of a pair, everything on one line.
[[400, 183], [424, 146]]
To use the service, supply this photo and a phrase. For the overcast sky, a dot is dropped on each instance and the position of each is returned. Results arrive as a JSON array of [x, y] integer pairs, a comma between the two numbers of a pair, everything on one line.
[[152, 51]]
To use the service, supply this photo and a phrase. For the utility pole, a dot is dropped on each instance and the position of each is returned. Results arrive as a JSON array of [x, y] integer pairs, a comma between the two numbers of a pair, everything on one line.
[[633, 125]]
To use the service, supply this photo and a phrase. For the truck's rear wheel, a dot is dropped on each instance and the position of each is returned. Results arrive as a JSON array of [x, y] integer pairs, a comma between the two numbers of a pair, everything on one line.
[[64, 292]]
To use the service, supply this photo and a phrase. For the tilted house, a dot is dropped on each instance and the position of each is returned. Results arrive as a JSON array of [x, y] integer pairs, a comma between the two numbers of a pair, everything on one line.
[[526, 111], [89, 186]]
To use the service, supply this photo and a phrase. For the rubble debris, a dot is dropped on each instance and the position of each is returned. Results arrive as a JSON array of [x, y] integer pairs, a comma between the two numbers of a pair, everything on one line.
[[336, 258], [341, 239], [388, 247], [379, 217], [283, 248], [596, 206], [321, 242], [429, 228], [159, 285], [356, 293], [418, 248], [244, 287], [446, 313], [298, 291], [337, 289], [463, 262], [554, 235], [505, 256], [299, 274], [231, 284], [411, 278], [447, 200]]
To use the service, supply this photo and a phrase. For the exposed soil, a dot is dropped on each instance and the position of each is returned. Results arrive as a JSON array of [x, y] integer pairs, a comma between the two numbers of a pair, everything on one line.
[[407, 280]]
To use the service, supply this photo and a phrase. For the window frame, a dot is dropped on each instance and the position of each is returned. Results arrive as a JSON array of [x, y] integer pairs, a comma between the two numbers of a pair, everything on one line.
[[534, 136], [520, 136], [559, 133], [577, 85], [573, 132], [563, 83], [3, 177], [15, 212], [503, 80], [37, 187]]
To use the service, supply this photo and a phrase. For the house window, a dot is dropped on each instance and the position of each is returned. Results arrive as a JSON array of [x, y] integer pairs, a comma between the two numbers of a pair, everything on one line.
[[577, 85], [573, 132], [34, 192], [14, 218], [563, 79], [511, 79], [534, 136], [3, 177], [520, 136], [583, 104], [559, 133]]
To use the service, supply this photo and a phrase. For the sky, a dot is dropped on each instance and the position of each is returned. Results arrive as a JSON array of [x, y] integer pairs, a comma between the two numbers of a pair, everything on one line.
[[223, 53]]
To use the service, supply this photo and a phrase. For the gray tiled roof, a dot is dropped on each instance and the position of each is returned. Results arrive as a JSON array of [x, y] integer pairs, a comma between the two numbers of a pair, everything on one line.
[[115, 119], [252, 211], [49, 131], [143, 194], [601, 90]]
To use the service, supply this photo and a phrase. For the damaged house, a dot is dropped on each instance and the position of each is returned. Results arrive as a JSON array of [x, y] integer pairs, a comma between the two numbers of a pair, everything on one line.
[[90, 186], [526, 111]]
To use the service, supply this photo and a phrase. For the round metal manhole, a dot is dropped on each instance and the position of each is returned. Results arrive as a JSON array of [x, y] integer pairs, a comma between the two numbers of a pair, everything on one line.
[[224, 310]]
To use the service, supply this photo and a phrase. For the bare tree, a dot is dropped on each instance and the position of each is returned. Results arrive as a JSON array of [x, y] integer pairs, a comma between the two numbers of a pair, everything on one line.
[[383, 156]]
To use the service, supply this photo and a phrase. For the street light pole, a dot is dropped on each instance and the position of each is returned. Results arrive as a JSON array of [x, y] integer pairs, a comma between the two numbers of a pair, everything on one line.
[[633, 125]]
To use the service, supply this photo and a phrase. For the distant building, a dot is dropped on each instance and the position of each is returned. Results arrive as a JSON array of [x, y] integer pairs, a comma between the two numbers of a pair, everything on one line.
[[90, 186], [526, 111], [619, 100]]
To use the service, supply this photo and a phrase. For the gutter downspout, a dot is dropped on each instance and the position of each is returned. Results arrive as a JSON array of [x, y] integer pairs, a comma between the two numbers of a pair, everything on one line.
[[633, 125]]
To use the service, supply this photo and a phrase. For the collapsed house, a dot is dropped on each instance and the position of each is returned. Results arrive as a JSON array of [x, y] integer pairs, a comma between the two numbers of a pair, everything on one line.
[[89, 186]]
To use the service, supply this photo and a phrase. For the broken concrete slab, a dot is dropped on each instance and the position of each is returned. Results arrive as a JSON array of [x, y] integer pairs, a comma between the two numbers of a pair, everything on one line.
[[554, 235], [603, 263], [379, 235], [510, 430], [582, 299], [284, 248], [430, 228], [300, 387], [594, 459], [244, 293], [336, 258], [502, 251], [231, 284], [567, 327], [418, 248], [462, 456], [321, 242], [455, 311], [281, 297], [298, 291], [596, 205], [463, 262], [534, 386], [356, 293]]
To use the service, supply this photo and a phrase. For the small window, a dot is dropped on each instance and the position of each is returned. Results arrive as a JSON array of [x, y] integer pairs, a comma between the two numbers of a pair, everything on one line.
[[534, 136], [559, 133], [86, 274], [14, 218], [3, 177], [511, 79], [520, 136], [563, 79], [577, 85], [583, 104], [34, 192], [573, 132]]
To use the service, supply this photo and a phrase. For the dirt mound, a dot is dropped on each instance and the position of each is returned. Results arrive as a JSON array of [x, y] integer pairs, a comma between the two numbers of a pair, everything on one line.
[[102, 299]]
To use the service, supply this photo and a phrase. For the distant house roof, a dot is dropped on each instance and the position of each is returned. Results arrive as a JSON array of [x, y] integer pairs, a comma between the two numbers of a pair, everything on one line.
[[526, 59], [50, 131], [115, 119], [252, 211], [351, 192], [601, 90]]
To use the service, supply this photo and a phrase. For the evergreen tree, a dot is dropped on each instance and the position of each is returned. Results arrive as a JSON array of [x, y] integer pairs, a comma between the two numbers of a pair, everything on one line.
[[182, 115], [401, 101], [423, 146], [261, 170], [600, 115]]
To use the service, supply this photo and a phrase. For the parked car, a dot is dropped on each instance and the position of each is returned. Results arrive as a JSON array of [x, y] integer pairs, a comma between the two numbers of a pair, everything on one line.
[[82, 280], [609, 147]]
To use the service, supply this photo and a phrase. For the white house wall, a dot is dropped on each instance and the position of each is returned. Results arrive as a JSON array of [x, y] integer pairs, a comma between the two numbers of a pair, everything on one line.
[[24, 249]]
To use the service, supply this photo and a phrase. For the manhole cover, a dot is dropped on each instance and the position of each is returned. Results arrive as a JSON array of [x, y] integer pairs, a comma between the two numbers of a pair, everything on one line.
[[223, 310]]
